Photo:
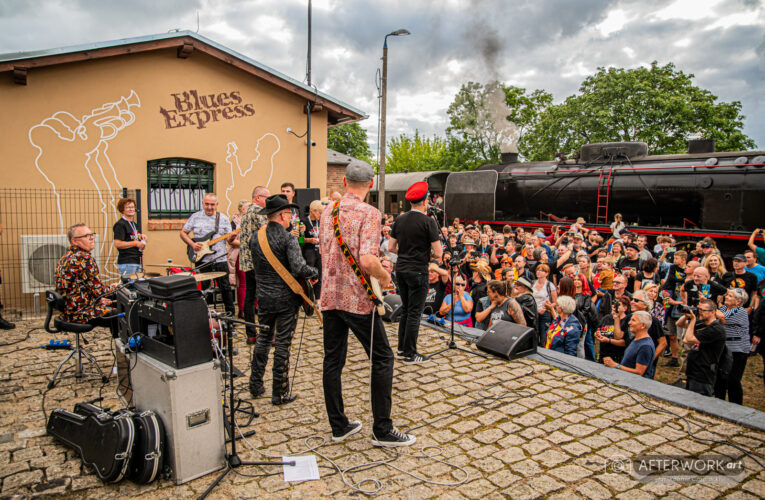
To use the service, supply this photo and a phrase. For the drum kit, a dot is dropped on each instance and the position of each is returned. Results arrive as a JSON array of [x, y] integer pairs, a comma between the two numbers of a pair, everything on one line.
[[200, 277]]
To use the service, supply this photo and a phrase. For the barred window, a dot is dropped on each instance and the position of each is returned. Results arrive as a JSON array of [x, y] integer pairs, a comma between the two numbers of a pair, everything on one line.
[[177, 186]]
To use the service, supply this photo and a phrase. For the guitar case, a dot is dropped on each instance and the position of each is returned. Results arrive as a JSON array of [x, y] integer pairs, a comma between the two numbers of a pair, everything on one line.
[[103, 440], [148, 456]]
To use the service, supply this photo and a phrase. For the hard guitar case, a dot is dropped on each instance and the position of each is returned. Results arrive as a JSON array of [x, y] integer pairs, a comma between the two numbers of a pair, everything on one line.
[[104, 441], [148, 456]]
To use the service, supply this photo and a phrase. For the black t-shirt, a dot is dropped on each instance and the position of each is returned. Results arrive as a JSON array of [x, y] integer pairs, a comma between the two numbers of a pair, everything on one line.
[[747, 281], [675, 280], [641, 278], [606, 329], [123, 231], [415, 232], [435, 296], [696, 293], [624, 265], [702, 356]]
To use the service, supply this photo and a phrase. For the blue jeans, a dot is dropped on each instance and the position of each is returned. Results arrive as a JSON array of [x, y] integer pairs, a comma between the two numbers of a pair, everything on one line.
[[589, 346], [128, 268]]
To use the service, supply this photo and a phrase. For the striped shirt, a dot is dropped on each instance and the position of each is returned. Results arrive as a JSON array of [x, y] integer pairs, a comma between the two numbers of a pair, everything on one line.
[[736, 329]]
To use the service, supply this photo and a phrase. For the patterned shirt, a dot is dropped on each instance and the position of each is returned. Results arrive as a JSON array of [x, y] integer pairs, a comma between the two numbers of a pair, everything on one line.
[[248, 228], [202, 224], [360, 227], [79, 282], [736, 329]]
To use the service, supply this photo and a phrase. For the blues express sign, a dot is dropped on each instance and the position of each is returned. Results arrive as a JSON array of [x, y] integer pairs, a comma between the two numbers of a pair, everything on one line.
[[200, 110]]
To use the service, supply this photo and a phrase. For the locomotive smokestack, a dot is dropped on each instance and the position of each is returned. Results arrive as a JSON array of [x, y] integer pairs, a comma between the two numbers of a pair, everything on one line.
[[508, 157], [701, 146]]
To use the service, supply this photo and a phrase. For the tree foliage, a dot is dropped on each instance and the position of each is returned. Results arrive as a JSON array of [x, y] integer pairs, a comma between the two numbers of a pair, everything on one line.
[[350, 139], [658, 105], [470, 119]]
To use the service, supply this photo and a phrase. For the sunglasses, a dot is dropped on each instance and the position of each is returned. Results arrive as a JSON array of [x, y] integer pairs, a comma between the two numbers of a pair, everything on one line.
[[459, 284]]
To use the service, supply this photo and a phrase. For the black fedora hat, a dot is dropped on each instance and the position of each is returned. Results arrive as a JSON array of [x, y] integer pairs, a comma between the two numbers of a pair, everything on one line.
[[276, 203]]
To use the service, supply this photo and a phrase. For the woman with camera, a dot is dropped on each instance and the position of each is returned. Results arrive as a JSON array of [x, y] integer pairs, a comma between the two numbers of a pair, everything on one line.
[[738, 343]]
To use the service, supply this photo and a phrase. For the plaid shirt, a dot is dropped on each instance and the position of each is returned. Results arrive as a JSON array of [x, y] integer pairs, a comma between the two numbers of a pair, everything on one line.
[[248, 228], [360, 228], [79, 282]]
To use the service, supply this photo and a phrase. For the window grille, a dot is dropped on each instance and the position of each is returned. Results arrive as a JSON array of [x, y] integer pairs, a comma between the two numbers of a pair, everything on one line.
[[177, 186]]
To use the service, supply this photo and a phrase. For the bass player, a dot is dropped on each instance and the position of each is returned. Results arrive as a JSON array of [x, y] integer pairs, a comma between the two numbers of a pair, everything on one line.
[[210, 223], [346, 304]]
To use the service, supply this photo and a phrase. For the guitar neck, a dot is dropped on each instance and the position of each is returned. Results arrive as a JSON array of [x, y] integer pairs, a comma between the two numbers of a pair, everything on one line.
[[223, 237]]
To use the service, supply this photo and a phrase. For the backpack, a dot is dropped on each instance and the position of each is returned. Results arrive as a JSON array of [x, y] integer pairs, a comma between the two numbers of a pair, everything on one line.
[[724, 363]]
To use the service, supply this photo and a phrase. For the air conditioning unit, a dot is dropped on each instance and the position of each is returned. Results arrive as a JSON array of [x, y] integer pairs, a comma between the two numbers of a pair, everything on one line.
[[40, 254]]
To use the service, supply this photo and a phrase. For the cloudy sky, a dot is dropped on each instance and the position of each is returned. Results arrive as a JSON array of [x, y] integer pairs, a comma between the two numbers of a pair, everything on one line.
[[548, 44]]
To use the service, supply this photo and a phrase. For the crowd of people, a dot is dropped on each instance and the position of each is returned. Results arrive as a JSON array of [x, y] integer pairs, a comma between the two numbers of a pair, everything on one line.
[[611, 298]]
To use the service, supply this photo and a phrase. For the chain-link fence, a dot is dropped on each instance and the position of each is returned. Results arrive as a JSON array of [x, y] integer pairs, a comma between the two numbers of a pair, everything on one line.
[[33, 239]]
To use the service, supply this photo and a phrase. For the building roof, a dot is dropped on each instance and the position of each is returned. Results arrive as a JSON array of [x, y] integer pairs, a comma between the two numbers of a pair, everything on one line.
[[186, 42], [337, 158]]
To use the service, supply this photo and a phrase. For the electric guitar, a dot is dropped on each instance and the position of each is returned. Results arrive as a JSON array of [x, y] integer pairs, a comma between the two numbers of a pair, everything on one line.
[[195, 257], [375, 284]]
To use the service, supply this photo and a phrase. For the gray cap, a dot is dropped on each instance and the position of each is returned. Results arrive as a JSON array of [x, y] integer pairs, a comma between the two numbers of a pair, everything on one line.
[[359, 171]]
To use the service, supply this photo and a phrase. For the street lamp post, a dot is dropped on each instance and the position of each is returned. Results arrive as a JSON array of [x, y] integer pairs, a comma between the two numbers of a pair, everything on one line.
[[383, 93]]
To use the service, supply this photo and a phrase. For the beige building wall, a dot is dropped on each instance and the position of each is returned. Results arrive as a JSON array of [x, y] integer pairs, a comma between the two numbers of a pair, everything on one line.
[[94, 125]]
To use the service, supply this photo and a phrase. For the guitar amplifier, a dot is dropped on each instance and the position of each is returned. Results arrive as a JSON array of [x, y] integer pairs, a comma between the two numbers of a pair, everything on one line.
[[188, 401]]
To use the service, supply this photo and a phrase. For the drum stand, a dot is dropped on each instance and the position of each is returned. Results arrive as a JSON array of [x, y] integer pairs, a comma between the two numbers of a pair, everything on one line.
[[232, 459]]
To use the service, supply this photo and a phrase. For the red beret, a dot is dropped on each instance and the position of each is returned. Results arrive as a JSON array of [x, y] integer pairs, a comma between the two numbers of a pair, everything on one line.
[[417, 191]]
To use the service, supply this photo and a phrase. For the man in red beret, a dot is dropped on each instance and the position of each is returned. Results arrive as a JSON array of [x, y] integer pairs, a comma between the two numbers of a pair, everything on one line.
[[415, 239]]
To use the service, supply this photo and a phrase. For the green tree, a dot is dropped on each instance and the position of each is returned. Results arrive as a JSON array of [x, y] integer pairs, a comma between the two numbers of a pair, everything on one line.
[[415, 154], [525, 110], [471, 120], [658, 105], [350, 139]]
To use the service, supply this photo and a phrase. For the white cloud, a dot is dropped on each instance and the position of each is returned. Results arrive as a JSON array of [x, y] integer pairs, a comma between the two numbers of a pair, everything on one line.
[[614, 21], [691, 10]]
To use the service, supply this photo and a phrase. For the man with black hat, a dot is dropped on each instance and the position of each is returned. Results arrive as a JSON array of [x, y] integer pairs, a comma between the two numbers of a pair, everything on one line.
[[415, 239], [346, 305], [630, 264], [277, 304], [741, 278]]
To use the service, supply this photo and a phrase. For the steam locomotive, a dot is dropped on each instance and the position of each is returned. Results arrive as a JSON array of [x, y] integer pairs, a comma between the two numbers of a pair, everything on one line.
[[701, 193]]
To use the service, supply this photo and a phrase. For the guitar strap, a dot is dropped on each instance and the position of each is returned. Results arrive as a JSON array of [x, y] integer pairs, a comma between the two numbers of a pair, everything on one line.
[[282, 271], [349, 257]]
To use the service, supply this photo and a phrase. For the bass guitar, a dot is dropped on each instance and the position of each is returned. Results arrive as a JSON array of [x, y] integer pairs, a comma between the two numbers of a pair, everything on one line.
[[206, 242]]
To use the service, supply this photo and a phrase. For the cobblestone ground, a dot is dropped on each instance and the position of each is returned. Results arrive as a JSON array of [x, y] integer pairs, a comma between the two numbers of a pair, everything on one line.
[[517, 429]]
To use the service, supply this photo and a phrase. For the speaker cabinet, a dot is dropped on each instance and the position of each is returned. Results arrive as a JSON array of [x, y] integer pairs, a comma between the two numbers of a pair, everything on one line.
[[392, 303], [304, 197], [508, 340]]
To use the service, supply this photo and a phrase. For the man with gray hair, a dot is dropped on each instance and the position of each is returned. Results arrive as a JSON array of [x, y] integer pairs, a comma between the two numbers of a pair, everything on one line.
[[639, 355], [641, 302]]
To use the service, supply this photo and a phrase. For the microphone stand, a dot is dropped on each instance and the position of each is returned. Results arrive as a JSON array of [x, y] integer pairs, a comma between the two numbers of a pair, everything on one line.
[[232, 459], [451, 344]]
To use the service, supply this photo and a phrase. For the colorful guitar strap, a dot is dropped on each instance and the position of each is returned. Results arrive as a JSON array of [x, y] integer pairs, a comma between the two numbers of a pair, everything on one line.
[[349, 257]]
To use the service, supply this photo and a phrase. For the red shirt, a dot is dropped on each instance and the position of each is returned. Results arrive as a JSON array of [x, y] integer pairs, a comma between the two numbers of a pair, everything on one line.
[[360, 227]]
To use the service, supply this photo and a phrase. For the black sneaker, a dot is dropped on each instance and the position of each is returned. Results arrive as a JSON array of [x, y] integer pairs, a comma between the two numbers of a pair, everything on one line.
[[351, 429], [6, 325], [413, 360], [673, 362], [256, 392], [400, 353], [394, 437], [667, 353]]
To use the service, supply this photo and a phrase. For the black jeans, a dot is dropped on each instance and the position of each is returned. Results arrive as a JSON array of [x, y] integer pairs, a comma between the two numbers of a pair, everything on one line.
[[313, 258], [732, 384], [413, 288], [223, 284], [336, 325], [249, 303], [281, 328]]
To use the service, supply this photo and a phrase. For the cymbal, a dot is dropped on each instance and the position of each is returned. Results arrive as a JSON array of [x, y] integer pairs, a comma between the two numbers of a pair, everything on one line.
[[137, 276], [182, 273], [208, 276], [160, 265]]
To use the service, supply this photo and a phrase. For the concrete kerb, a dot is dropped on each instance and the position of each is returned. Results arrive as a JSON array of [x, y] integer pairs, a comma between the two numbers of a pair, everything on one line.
[[738, 414]]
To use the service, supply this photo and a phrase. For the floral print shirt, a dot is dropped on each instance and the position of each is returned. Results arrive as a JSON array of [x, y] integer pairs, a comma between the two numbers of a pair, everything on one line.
[[251, 222]]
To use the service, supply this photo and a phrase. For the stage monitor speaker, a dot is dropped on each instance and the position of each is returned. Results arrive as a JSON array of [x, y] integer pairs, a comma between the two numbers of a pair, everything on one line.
[[508, 340], [392, 303], [304, 197]]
